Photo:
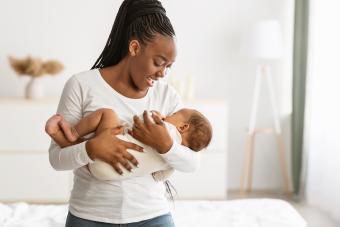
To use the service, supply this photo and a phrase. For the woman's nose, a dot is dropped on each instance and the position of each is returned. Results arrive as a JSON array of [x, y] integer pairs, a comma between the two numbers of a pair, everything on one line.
[[161, 73]]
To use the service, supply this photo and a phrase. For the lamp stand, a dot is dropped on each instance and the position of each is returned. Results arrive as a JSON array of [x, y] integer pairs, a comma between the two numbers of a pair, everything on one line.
[[263, 71]]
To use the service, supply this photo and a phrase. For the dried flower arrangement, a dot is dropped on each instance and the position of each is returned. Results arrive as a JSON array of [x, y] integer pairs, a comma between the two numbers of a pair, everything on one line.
[[35, 67]]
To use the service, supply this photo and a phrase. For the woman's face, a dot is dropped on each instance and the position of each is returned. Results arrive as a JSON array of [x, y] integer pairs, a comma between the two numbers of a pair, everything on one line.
[[151, 61]]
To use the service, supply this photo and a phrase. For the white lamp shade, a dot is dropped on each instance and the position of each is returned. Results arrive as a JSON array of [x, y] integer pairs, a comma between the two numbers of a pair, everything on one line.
[[264, 40]]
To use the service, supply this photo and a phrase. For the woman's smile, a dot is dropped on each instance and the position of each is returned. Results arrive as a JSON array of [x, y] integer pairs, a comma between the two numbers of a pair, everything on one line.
[[150, 81]]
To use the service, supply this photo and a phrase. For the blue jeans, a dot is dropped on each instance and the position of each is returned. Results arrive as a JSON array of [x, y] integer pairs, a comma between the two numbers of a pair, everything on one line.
[[160, 221]]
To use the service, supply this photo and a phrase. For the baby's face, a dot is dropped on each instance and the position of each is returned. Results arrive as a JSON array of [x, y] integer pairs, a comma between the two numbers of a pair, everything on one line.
[[180, 120], [180, 117]]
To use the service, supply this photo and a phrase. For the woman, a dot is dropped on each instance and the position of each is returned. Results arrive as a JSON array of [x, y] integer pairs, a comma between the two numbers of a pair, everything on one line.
[[139, 50]]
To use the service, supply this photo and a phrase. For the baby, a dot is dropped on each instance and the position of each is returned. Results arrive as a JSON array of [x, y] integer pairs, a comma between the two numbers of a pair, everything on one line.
[[186, 126]]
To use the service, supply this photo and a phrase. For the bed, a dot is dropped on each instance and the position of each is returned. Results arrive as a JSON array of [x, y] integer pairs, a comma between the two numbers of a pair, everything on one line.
[[232, 213]]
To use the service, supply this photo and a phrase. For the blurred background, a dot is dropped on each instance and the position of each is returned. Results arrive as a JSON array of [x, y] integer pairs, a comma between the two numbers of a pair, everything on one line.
[[222, 81], [75, 32]]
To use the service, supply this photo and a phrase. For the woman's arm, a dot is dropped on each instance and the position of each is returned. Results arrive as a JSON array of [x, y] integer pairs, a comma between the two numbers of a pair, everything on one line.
[[70, 107], [156, 135], [182, 158], [104, 146]]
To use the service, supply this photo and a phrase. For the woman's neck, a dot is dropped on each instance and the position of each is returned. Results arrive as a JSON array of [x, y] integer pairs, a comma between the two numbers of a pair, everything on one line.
[[118, 78]]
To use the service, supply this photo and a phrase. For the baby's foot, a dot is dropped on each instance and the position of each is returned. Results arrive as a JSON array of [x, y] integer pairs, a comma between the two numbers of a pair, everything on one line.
[[69, 131], [52, 127]]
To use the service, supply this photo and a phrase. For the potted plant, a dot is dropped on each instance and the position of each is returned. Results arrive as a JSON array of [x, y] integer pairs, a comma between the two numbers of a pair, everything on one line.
[[35, 68]]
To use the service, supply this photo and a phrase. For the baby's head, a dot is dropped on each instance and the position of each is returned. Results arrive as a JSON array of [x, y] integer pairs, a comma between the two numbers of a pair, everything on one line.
[[195, 129]]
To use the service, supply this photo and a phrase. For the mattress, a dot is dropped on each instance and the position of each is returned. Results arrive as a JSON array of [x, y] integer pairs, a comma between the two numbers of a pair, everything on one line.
[[232, 213]]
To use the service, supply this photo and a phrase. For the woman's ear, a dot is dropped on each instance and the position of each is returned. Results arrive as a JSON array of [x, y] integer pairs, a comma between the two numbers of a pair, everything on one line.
[[134, 47], [183, 127]]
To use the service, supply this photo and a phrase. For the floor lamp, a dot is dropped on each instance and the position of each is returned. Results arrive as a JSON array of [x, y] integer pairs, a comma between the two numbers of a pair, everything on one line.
[[263, 43]]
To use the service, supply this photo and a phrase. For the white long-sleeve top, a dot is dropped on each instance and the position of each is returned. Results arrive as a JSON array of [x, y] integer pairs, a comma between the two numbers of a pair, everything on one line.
[[125, 201]]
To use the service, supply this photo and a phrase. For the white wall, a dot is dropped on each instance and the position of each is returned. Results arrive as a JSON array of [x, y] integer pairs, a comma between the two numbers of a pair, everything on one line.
[[208, 39]]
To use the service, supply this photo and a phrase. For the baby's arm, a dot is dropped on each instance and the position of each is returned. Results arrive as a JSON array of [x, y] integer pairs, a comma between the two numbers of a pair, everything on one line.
[[61, 131], [64, 134]]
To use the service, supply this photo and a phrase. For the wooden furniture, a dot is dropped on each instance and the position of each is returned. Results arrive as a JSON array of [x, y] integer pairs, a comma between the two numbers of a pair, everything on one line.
[[26, 174], [263, 71]]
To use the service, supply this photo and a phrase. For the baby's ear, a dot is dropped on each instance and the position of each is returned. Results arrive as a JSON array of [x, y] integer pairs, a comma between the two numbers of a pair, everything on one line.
[[183, 127]]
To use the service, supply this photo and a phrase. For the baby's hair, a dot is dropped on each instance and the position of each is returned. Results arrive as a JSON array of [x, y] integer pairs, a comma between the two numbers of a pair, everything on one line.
[[200, 131]]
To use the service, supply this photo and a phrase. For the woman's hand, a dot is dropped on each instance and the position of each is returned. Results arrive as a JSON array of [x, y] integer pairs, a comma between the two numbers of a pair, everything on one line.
[[108, 148], [154, 135]]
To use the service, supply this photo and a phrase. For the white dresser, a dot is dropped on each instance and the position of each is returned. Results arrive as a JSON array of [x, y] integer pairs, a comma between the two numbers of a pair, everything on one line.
[[25, 171], [26, 175]]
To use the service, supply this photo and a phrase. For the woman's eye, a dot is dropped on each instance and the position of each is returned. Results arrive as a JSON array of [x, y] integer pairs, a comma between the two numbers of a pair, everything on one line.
[[158, 64]]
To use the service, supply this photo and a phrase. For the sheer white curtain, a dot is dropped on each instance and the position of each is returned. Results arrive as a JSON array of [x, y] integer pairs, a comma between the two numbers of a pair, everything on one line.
[[322, 131]]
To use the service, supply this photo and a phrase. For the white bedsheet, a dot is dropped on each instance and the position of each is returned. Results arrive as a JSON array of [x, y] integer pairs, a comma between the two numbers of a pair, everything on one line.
[[234, 213]]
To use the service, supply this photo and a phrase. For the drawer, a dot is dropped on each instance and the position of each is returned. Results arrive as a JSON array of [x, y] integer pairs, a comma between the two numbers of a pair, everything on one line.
[[23, 126], [29, 177]]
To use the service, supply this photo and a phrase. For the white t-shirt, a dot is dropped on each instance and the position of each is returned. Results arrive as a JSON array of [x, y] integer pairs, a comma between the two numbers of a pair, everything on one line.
[[126, 201], [150, 160]]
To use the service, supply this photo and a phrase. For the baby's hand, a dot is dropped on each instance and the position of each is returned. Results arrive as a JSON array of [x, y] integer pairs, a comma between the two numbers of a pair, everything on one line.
[[123, 128], [158, 114]]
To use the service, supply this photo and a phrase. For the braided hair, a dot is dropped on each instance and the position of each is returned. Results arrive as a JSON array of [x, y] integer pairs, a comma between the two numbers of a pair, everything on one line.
[[139, 19]]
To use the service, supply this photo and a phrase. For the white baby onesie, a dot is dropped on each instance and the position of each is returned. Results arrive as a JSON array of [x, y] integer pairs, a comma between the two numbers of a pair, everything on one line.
[[150, 161]]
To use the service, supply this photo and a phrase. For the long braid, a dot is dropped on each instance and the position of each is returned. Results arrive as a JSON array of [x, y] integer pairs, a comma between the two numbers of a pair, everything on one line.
[[114, 38], [140, 19]]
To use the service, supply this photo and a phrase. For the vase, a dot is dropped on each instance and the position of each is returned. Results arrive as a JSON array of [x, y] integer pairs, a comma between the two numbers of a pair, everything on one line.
[[34, 89]]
